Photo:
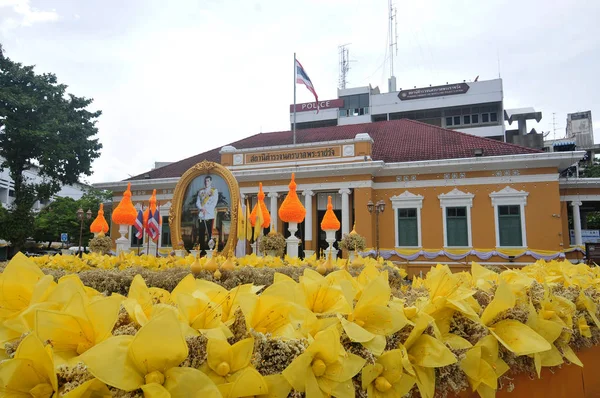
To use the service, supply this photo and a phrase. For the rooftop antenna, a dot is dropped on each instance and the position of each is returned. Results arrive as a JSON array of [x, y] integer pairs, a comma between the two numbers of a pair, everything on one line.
[[393, 28], [344, 57]]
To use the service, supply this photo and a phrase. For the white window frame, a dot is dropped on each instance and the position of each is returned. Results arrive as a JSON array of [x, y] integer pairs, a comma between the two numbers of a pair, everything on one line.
[[457, 198], [510, 197], [407, 200]]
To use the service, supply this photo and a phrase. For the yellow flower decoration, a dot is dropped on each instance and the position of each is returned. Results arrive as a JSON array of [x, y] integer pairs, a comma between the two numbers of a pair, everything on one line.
[[322, 295], [140, 302], [372, 319], [82, 324], [385, 378], [423, 353], [325, 368], [225, 362], [512, 334], [483, 366], [202, 315], [149, 360]]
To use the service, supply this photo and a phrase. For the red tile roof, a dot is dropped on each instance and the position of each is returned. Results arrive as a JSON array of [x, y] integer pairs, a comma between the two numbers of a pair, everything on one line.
[[394, 141]]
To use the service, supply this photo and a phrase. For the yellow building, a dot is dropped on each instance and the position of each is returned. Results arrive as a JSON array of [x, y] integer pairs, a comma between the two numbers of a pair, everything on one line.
[[449, 197]]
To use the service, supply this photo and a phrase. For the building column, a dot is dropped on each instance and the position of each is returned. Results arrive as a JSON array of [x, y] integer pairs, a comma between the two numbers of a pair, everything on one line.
[[273, 201], [345, 192], [576, 222], [308, 222]]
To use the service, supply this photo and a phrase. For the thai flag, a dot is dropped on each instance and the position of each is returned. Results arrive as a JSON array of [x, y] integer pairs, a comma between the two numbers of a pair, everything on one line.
[[154, 224], [139, 225], [302, 78]]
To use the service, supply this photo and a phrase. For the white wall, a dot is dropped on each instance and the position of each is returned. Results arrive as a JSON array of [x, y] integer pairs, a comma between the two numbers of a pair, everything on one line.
[[483, 131], [479, 93]]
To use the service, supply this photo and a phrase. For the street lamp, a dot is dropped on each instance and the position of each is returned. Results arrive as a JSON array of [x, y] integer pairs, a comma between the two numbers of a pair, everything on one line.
[[378, 207], [88, 215]]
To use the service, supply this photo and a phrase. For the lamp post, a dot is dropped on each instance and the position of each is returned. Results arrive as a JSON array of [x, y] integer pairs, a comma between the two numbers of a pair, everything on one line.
[[88, 215], [378, 208]]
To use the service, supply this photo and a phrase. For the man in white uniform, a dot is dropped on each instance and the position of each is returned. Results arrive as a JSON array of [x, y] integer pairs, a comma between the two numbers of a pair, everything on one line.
[[206, 202]]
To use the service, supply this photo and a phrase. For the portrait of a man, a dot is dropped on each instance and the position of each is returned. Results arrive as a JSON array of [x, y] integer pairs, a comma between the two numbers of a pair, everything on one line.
[[206, 213], [206, 202]]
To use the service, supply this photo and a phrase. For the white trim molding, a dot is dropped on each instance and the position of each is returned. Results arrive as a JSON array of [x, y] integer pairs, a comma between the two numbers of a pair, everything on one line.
[[457, 198], [407, 200], [506, 197]]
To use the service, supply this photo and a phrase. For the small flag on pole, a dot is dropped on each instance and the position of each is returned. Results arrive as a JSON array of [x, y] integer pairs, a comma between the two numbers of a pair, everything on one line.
[[260, 220], [302, 78], [154, 224], [248, 223], [139, 225], [241, 224]]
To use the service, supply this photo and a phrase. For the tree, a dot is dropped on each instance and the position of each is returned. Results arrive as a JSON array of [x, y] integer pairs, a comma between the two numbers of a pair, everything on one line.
[[41, 126], [592, 171], [60, 217]]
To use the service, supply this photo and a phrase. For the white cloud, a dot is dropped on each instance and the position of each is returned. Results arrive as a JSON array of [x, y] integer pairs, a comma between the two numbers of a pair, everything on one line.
[[25, 15]]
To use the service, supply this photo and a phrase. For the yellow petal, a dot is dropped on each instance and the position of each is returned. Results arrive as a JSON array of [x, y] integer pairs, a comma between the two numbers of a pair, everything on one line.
[[457, 342], [187, 285], [430, 352], [103, 315], [377, 292], [519, 338], [379, 319], [372, 371], [355, 332], [18, 375], [376, 345], [298, 371], [155, 390], [109, 361], [344, 369], [188, 382], [31, 348], [148, 355], [425, 379], [247, 382], [570, 355], [65, 332], [278, 387], [90, 389], [326, 345], [242, 354], [504, 299]]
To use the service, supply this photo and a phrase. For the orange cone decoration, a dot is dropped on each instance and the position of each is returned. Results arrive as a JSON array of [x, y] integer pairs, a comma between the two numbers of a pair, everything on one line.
[[291, 209], [330, 221], [125, 213], [99, 224], [263, 208]]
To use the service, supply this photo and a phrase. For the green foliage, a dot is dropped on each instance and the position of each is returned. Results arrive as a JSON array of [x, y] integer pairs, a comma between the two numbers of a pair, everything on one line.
[[41, 126], [592, 171], [61, 216]]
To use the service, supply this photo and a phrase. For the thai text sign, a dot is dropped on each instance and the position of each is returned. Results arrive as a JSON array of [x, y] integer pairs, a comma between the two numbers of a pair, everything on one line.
[[436, 91], [295, 155]]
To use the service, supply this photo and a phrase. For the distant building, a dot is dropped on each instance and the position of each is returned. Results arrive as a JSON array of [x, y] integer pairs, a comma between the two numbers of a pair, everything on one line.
[[579, 128], [7, 188], [471, 107]]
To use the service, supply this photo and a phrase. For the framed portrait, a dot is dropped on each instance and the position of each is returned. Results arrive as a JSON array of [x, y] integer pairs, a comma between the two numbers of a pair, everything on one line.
[[204, 209]]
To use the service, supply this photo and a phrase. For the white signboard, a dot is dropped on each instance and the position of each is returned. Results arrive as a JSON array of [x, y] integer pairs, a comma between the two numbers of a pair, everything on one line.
[[587, 236]]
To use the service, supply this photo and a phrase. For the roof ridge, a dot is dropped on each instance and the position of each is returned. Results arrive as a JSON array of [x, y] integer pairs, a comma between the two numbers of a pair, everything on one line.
[[476, 136]]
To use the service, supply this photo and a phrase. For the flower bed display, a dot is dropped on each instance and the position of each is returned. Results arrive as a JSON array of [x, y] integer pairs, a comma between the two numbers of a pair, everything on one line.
[[289, 331]]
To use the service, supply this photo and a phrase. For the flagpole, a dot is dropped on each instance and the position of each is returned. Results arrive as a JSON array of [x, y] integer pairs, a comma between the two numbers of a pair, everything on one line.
[[147, 223], [159, 228], [294, 126]]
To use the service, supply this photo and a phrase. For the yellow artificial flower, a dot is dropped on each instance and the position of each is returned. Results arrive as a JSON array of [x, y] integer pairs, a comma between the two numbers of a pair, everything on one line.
[[585, 302], [150, 361], [268, 314], [446, 290], [372, 319], [224, 362], [584, 328], [482, 277], [325, 368], [30, 373], [322, 295], [512, 334], [140, 304], [483, 366], [422, 353], [385, 378], [202, 315], [81, 324]]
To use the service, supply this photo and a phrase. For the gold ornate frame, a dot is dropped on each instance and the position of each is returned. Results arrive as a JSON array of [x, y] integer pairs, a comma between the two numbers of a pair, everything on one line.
[[204, 167]]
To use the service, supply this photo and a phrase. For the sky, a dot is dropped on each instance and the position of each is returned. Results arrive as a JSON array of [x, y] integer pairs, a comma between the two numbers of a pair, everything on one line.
[[174, 79]]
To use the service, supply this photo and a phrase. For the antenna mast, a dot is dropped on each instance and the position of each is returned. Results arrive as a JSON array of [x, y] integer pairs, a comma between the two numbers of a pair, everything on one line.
[[344, 57], [393, 28]]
